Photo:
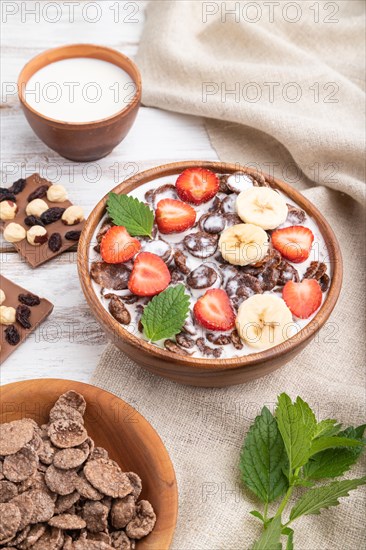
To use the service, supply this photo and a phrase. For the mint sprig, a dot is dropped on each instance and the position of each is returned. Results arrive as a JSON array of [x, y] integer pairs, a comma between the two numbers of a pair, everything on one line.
[[130, 213], [166, 314], [305, 451]]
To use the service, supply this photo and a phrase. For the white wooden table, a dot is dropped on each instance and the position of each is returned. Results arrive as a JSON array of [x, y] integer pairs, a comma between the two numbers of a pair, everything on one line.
[[70, 342]]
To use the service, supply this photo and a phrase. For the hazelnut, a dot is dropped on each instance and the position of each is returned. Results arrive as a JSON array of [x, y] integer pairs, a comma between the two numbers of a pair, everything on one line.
[[36, 208], [14, 233], [57, 193], [73, 215], [37, 235], [7, 315], [2, 296], [8, 209]]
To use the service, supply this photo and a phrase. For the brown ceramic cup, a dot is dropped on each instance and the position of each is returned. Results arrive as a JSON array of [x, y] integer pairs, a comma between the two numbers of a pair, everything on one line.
[[81, 141]]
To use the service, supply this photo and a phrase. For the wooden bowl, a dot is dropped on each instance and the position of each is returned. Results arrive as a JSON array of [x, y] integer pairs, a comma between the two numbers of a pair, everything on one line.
[[81, 141], [197, 371], [113, 424]]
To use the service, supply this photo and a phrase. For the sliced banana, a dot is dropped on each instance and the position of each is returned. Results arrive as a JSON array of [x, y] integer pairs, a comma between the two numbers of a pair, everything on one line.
[[264, 321], [262, 206], [243, 244]]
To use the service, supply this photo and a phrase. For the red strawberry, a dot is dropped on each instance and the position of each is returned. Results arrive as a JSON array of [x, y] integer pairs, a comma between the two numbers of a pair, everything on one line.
[[118, 246], [174, 216], [149, 276], [214, 311], [293, 242], [303, 298], [197, 185]]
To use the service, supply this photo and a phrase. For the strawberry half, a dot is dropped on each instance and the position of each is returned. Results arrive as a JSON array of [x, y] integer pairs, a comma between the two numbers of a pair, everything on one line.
[[293, 242], [149, 276], [214, 311], [303, 298], [117, 245], [197, 185], [174, 216]]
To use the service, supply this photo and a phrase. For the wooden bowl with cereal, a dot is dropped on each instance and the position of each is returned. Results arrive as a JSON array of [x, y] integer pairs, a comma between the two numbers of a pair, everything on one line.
[[81, 469], [208, 273]]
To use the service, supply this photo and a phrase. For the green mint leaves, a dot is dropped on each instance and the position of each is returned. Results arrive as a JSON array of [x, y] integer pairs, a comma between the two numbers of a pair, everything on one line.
[[166, 314], [324, 497], [131, 213], [263, 459], [290, 449]]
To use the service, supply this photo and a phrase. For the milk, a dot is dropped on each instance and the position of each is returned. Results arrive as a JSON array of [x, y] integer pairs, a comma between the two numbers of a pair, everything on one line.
[[80, 89]]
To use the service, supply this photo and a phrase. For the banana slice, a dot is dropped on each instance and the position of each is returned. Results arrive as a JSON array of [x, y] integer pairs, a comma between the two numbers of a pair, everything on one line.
[[264, 321], [262, 206], [243, 244]]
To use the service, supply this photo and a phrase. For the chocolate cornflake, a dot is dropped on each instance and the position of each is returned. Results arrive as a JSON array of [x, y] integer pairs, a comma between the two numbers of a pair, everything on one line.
[[113, 276], [67, 433], [180, 260], [9, 521], [324, 282], [207, 350], [14, 436], [315, 270], [236, 340], [143, 522], [20, 465], [219, 339], [201, 244], [184, 341], [172, 346], [107, 477], [119, 311], [295, 215], [287, 272]]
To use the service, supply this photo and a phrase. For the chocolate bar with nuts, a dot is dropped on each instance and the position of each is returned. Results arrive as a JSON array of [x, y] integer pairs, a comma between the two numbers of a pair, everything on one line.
[[38, 219], [20, 314]]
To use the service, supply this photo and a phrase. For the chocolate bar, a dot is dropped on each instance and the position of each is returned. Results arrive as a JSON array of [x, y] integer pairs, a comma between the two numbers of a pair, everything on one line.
[[38, 238], [20, 314]]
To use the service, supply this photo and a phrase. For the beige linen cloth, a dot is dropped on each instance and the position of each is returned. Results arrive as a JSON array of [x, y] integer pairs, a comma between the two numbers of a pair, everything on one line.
[[318, 147]]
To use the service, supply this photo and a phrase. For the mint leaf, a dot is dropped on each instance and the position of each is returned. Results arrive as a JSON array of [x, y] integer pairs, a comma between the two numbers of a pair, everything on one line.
[[131, 213], [324, 497], [297, 424], [271, 536], [262, 459], [326, 428], [335, 462], [165, 315], [257, 514], [324, 443]]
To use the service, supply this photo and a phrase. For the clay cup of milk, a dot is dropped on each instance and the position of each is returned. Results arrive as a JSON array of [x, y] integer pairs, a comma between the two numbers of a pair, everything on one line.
[[81, 100]]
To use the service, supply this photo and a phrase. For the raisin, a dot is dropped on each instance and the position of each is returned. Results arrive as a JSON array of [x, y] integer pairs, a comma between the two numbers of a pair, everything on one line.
[[29, 299], [52, 215], [72, 235], [33, 220], [18, 186], [12, 335], [22, 316], [6, 195], [38, 193], [55, 242]]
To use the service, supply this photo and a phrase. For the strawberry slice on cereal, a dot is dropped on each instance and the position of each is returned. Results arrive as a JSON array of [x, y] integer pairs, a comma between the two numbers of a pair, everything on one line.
[[174, 216], [117, 246], [197, 185], [149, 276]]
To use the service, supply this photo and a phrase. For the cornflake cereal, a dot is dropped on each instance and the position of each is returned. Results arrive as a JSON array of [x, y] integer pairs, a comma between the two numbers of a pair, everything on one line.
[[57, 490]]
